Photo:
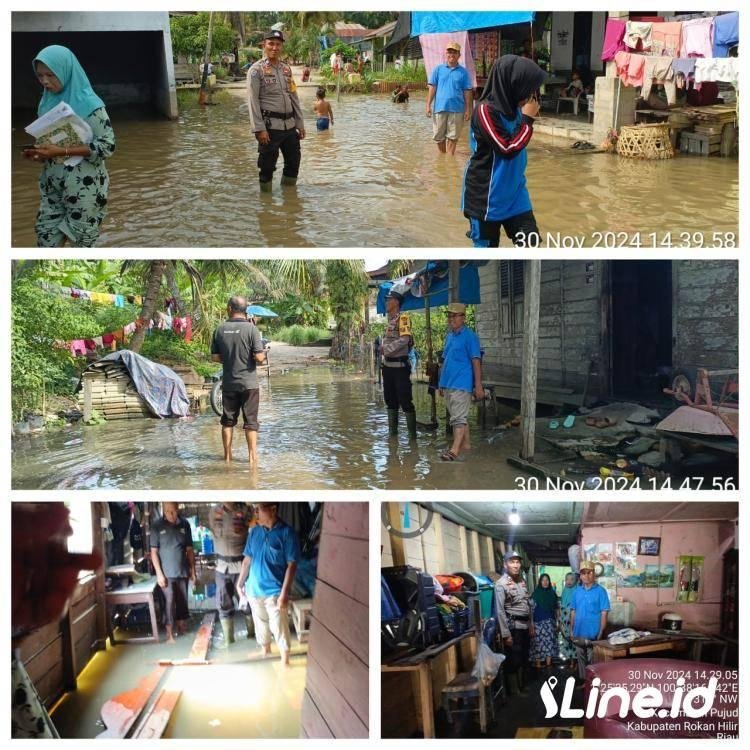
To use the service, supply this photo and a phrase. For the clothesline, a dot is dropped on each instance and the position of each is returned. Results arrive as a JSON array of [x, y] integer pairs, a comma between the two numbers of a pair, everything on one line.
[[710, 37], [118, 300], [109, 341]]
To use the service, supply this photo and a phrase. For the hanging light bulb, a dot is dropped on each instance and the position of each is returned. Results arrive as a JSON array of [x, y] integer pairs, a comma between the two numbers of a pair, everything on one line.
[[513, 517]]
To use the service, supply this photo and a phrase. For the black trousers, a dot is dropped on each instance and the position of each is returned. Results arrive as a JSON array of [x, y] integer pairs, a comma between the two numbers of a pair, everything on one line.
[[518, 656], [397, 388], [286, 141], [517, 228]]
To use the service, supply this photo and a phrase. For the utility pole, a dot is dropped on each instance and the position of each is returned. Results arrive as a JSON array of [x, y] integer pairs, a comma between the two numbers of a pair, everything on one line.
[[531, 293]]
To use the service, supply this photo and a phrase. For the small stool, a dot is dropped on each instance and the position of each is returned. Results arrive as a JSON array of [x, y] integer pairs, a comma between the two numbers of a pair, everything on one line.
[[466, 687], [301, 611]]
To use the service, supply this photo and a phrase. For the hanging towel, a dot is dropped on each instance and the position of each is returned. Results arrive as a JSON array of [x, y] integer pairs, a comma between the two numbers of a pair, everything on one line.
[[98, 340], [78, 348], [666, 39], [630, 68], [119, 300], [433, 51], [726, 33], [636, 31], [697, 38], [138, 299], [188, 329], [129, 328], [717, 69], [659, 70], [683, 69], [613, 35], [90, 345]]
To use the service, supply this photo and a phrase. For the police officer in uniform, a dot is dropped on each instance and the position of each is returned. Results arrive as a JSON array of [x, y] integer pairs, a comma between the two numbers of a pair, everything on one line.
[[229, 523], [397, 342], [514, 616], [275, 113]]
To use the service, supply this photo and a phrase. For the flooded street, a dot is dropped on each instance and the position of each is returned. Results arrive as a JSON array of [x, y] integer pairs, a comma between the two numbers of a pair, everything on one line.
[[319, 429], [374, 179]]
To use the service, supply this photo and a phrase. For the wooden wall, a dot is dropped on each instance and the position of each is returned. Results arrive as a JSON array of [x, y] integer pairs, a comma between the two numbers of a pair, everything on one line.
[[444, 547], [55, 654], [574, 319], [569, 324], [706, 313], [335, 702]]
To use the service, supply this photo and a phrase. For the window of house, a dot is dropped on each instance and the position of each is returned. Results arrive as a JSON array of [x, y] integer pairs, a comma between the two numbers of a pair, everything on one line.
[[511, 297]]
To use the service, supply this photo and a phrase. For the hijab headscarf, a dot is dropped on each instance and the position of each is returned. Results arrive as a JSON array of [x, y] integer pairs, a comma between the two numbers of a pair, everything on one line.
[[545, 597], [76, 89], [567, 593], [512, 79]]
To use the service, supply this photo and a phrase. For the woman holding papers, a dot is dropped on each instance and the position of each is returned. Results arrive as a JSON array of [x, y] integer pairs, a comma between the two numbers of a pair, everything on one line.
[[74, 181]]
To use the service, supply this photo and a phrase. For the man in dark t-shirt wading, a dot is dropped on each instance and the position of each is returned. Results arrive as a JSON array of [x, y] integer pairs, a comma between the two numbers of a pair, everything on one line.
[[237, 345]]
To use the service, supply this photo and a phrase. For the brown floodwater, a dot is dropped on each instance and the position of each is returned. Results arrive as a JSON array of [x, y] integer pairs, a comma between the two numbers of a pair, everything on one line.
[[319, 429], [232, 698], [374, 179]]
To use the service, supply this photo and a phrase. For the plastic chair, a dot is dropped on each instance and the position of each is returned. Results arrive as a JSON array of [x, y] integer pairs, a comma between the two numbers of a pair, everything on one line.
[[574, 100]]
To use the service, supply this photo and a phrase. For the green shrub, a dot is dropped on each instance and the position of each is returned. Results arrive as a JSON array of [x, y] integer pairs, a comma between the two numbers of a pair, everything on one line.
[[300, 335], [169, 347]]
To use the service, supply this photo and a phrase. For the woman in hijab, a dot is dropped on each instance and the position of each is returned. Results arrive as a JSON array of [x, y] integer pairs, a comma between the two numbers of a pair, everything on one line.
[[494, 191], [73, 196], [567, 649], [544, 641]]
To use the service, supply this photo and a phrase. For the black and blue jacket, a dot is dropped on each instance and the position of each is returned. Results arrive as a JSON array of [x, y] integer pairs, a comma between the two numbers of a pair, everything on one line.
[[495, 178]]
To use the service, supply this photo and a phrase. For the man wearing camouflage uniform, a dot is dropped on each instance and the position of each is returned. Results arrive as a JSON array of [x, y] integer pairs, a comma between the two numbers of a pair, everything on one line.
[[514, 616], [275, 113], [397, 342]]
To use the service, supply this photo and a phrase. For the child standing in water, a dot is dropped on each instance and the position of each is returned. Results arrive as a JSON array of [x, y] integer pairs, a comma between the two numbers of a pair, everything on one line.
[[494, 192], [322, 110]]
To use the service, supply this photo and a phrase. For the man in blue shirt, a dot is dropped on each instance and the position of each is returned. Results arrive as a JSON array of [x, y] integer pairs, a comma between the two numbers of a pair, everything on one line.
[[270, 560], [451, 90], [588, 616], [460, 377]]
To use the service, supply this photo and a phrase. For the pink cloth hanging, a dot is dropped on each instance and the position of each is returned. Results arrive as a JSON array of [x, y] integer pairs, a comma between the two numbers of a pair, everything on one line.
[[697, 38], [433, 52], [613, 34]]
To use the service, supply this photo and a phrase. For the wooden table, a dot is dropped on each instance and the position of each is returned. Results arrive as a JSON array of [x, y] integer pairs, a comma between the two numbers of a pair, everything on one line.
[[421, 664], [650, 644], [696, 641], [136, 593]]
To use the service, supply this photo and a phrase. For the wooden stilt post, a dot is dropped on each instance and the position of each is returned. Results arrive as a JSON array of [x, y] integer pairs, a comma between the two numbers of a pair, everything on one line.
[[532, 282], [87, 408]]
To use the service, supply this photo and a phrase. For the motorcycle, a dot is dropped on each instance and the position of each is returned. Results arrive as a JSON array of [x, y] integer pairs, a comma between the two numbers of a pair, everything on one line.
[[216, 397]]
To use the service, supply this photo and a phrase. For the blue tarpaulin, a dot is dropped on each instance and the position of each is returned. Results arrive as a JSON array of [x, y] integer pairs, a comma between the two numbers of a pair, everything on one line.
[[442, 22], [260, 312], [436, 274]]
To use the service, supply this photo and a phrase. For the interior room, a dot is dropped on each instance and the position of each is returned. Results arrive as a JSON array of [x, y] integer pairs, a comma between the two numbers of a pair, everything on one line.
[[666, 575], [126, 659]]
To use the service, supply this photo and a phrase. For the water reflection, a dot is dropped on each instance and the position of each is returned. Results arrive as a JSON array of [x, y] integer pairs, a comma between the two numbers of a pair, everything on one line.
[[319, 430], [374, 179]]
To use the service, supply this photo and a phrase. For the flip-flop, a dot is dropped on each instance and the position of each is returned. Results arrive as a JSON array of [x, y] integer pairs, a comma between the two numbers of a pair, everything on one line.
[[553, 425], [577, 144], [448, 455], [570, 420], [591, 421], [585, 146]]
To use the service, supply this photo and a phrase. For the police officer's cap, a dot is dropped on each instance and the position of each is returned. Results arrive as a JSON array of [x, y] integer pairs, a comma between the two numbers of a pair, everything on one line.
[[274, 34], [510, 555], [396, 296]]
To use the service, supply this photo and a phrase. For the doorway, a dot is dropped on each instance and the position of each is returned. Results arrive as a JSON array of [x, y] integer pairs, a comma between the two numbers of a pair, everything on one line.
[[641, 343]]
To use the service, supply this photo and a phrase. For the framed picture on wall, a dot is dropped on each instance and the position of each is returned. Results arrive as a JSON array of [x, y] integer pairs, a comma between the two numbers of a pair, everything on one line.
[[649, 545]]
